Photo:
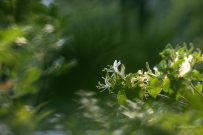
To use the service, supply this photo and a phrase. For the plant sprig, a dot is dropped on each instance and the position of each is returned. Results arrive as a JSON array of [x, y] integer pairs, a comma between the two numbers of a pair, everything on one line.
[[175, 75]]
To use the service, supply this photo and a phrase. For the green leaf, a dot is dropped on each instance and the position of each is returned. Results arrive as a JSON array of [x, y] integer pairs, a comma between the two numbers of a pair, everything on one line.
[[154, 87], [197, 75], [32, 75], [167, 51], [121, 97], [191, 49], [181, 49], [154, 81], [197, 54], [129, 77], [166, 86], [178, 95], [177, 64], [199, 87], [154, 91]]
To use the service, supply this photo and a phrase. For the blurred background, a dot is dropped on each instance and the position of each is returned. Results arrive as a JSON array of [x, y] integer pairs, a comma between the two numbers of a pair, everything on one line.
[[52, 49]]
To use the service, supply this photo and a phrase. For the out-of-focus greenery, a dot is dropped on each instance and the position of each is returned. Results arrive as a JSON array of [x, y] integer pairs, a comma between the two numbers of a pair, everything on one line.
[[135, 118], [28, 56], [51, 49]]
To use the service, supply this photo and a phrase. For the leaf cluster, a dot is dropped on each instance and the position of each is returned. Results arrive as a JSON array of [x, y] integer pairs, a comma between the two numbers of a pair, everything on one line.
[[175, 77]]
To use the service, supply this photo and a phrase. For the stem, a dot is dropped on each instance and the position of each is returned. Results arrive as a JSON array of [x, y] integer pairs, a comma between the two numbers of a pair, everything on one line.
[[196, 90], [185, 99]]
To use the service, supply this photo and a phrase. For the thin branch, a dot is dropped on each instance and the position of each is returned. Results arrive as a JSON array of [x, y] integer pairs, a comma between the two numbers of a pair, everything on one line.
[[185, 99], [196, 90]]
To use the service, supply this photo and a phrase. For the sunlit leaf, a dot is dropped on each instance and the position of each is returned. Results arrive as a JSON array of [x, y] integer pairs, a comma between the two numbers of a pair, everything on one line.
[[176, 65], [178, 95], [129, 77], [155, 82], [197, 75], [166, 86], [199, 87], [154, 91]]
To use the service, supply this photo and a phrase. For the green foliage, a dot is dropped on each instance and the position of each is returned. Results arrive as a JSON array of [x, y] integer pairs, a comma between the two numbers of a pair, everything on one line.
[[23, 119], [135, 117], [174, 76], [33, 52], [28, 54], [175, 87], [27, 50]]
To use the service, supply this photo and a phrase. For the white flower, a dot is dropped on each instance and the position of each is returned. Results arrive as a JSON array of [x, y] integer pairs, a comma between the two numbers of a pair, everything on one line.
[[108, 70], [185, 66], [114, 69], [190, 58], [122, 73], [107, 84], [133, 80], [115, 66], [155, 69]]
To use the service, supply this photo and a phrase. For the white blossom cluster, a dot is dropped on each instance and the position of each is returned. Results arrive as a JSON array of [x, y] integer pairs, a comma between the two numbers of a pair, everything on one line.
[[114, 70], [111, 81]]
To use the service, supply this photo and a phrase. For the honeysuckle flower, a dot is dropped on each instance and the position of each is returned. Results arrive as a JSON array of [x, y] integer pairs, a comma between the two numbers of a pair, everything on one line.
[[115, 66], [190, 58], [185, 66], [143, 79], [176, 58], [114, 69], [140, 72], [108, 70], [133, 80], [128, 75], [105, 86], [122, 73], [155, 69], [107, 82]]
